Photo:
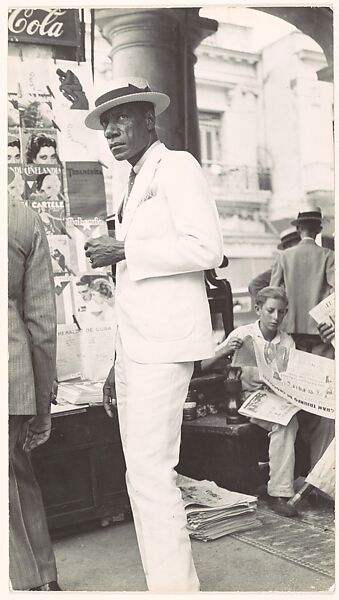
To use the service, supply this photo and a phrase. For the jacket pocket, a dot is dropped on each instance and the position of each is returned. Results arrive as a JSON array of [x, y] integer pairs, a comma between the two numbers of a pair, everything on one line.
[[166, 311]]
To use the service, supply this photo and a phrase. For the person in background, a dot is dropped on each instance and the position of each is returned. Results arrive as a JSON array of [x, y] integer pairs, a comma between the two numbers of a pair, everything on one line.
[[288, 238], [32, 388], [42, 149], [167, 234], [321, 478], [13, 149], [15, 186], [102, 301], [84, 288], [271, 307], [13, 115], [60, 259], [306, 272], [50, 187]]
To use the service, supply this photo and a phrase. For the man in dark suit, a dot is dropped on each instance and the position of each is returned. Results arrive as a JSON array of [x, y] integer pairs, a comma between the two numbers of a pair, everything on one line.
[[288, 238], [32, 369], [306, 271]]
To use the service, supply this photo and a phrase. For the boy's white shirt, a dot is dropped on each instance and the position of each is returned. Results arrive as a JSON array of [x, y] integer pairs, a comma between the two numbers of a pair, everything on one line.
[[253, 329]]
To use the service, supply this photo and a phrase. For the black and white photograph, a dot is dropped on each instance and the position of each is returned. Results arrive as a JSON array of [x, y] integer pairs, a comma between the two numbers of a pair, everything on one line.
[[15, 182], [40, 146], [13, 146], [60, 254], [44, 194], [171, 298], [94, 299]]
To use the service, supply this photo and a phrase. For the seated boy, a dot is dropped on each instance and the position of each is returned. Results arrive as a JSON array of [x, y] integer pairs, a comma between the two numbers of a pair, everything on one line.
[[270, 306]]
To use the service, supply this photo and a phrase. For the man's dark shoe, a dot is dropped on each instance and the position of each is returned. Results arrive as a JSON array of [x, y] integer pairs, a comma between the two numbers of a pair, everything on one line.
[[52, 586], [281, 507]]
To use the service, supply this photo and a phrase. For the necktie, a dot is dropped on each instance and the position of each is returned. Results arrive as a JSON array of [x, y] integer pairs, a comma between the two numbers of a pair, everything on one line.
[[131, 180]]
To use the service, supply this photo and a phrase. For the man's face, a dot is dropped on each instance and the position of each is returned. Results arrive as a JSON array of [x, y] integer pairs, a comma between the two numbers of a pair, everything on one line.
[[127, 130], [85, 292], [13, 154], [271, 314]]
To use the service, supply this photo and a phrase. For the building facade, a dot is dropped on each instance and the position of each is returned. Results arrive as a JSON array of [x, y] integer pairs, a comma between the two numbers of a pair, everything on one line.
[[266, 136], [266, 127]]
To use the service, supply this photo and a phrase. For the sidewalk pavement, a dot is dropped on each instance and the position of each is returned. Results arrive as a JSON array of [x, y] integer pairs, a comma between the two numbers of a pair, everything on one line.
[[107, 559]]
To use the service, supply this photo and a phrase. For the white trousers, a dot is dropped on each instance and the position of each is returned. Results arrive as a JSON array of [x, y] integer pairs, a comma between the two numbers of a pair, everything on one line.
[[150, 401], [281, 456]]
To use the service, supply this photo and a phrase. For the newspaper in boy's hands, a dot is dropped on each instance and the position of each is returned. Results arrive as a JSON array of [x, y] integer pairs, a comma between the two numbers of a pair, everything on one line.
[[267, 406]]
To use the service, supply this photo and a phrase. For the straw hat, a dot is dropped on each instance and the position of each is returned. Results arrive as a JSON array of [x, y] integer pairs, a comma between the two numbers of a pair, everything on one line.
[[122, 91]]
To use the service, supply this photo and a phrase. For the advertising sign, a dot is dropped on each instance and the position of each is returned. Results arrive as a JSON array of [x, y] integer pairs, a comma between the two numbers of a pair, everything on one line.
[[52, 26]]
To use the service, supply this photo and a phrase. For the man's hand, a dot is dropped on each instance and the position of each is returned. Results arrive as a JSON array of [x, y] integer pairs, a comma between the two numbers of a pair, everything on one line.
[[104, 251], [71, 88], [109, 395], [326, 332], [36, 431], [233, 345]]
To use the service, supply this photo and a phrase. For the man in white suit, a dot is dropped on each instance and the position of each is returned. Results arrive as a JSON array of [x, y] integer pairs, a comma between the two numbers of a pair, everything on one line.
[[167, 234]]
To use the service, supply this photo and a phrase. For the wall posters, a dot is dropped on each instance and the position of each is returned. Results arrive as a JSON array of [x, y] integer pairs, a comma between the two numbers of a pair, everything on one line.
[[47, 104], [86, 189]]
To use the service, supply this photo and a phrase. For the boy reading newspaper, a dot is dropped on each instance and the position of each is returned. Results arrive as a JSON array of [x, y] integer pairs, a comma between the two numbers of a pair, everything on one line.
[[270, 306]]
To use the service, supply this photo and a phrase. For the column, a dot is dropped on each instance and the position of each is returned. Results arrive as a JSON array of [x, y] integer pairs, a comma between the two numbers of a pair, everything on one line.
[[159, 44]]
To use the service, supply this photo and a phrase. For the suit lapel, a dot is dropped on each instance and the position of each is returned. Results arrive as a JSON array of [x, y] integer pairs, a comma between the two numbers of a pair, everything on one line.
[[141, 185]]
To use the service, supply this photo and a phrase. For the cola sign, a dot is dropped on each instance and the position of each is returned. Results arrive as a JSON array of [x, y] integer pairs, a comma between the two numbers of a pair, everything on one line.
[[44, 26]]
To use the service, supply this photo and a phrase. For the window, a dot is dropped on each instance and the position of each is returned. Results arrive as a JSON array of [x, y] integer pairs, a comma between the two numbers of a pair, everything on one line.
[[210, 137]]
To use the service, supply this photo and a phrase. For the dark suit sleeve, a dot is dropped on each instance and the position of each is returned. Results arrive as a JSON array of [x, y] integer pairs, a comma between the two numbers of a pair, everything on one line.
[[40, 315]]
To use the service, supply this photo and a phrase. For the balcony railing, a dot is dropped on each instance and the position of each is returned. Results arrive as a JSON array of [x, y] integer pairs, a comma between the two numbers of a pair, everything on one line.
[[237, 178]]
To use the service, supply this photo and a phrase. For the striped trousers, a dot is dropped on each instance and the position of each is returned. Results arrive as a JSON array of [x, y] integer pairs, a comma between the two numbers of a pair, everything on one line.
[[31, 557]]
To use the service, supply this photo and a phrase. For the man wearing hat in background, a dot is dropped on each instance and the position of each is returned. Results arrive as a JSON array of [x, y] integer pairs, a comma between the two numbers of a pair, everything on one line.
[[167, 234], [306, 271], [288, 238]]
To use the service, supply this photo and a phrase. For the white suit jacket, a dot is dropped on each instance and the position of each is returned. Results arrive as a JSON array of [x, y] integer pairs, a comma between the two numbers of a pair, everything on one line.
[[172, 234]]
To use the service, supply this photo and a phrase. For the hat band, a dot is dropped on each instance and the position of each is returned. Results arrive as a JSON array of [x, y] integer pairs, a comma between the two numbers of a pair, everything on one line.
[[309, 215], [125, 91]]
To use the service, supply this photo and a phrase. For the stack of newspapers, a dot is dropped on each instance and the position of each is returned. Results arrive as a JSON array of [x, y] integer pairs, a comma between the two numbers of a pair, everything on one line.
[[81, 392], [213, 512]]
